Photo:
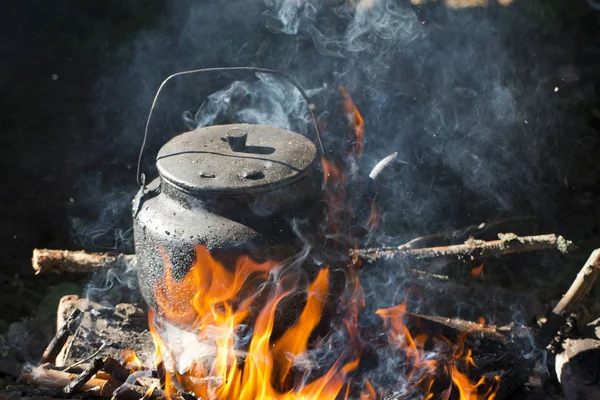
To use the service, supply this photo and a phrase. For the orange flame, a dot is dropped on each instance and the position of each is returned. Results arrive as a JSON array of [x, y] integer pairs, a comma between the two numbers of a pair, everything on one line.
[[468, 390], [356, 123], [413, 347], [476, 272], [262, 371], [368, 391], [422, 369], [131, 360]]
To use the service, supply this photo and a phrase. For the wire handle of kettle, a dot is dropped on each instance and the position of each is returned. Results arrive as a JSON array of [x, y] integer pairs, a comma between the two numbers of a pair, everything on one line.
[[140, 175]]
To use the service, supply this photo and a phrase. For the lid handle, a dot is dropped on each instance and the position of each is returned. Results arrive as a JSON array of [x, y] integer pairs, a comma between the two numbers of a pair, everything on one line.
[[140, 174]]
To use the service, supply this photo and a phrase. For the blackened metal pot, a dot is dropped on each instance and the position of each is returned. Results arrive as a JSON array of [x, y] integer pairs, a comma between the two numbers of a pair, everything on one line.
[[233, 188]]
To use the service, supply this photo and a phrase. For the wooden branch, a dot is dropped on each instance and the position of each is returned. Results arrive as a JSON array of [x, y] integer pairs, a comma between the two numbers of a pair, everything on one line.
[[472, 249], [454, 327], [82, 262], [581, 286], [77, 261], [62, 334], [106, 388]]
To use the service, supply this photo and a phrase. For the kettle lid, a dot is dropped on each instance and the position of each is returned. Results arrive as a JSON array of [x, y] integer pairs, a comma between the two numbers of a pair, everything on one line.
[[235, 158]]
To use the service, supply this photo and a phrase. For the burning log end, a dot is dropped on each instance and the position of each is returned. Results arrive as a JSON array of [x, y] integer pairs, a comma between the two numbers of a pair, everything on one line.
[[453, 328]]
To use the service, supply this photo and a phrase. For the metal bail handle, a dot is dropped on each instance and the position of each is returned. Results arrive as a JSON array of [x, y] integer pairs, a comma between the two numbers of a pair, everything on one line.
[[140, 174]]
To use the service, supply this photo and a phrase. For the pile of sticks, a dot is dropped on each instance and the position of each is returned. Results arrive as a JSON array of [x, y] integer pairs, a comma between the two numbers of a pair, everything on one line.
[[104, 378]]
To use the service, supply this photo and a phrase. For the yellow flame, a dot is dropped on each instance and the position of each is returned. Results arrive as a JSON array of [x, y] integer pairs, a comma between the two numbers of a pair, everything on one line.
[[262, 372]]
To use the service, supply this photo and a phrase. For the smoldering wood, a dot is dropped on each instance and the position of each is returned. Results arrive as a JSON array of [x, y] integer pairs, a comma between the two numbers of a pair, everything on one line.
[[62, 334], [494, 352], [580, 287], [83, 262], [46, 260], [472, 249]]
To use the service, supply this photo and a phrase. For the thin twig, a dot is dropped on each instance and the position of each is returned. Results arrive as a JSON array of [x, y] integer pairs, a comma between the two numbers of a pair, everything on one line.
[[85, 359], [471, 250], [62, 334], [456, 233]]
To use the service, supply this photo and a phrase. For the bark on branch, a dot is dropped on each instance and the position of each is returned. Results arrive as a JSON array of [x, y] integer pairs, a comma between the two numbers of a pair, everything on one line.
[[472, 249], [78, 261], [82, 262]]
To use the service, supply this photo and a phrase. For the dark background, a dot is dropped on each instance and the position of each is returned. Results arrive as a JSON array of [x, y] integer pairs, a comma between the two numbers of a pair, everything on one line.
[[77, 81]]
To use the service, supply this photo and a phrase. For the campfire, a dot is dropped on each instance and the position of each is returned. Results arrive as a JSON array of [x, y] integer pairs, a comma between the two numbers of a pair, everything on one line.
[[272, 320]]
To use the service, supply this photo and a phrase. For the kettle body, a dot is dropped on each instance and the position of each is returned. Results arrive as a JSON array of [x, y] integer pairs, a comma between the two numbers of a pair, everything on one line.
[[233, 188]]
